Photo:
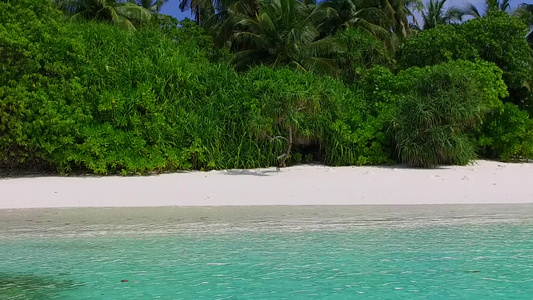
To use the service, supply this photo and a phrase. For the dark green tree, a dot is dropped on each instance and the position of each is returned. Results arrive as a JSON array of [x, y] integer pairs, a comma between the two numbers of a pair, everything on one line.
[[284, 33], [499, 38], [398, 12], [496, 37], [363, 14], [363, 51], [525, 13], [151, 5], [120, 13], [436, 15], [440, 106], [490, 6], [201, 9]]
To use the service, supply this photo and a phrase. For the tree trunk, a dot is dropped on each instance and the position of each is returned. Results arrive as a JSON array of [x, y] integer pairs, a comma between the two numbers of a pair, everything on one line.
[[197, 15], [255, 8]]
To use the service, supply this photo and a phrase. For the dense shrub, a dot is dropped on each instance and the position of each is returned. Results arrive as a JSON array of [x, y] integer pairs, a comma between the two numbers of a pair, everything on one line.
[[38, 79], [441, 104], [90, 96], [189, 33], [362, 125], [497, 38], [319, 116], [436, 46], [358, 136], [363, 51], [507, 134], [500, 38]]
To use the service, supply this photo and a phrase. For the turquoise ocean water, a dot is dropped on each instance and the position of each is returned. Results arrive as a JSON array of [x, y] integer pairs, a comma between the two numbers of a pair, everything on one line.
[[362, 252]]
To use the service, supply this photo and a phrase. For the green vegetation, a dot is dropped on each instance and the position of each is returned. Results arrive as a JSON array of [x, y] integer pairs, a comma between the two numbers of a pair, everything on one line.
[[507, 134], [283, 34], [498, 38], [294, 81], [436, 15], [441, 104], [122, 14], [23, 286]]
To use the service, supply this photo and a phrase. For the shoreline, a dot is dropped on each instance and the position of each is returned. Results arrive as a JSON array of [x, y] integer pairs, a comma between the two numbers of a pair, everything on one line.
[[483, 182]]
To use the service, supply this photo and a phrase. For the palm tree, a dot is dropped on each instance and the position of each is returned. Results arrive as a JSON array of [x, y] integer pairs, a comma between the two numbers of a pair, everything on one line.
[[200, 8], [284, 33], [525, 13], [228, 13], [436, 16], [355, 13], [152, 5], [490, 5], [398, 12], [118, 12]]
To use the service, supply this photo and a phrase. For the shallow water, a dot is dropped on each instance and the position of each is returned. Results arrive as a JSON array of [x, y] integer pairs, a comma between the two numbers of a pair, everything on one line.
[[368, 252]]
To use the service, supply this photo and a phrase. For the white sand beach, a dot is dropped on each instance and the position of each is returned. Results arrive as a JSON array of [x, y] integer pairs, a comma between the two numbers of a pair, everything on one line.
[[481, 182]]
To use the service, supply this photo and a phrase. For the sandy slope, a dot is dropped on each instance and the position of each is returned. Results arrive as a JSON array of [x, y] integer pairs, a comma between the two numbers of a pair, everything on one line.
[[482, 182]]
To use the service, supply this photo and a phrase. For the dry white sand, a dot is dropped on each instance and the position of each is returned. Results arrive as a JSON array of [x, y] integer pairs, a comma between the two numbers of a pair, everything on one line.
[[482, 182]]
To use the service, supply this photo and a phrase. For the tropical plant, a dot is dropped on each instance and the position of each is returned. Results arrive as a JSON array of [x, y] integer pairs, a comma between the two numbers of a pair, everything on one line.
[[121, 13], [284, 33], [89, 97], [152, 5], [293, 110], [229, 12], [363, 51], [490, 6], [497, 38], [435, 46], [435, 14], [441, 105], [201, 9], [358, 136], [344, 14], [525, 13], [506, 134], [398, 12]]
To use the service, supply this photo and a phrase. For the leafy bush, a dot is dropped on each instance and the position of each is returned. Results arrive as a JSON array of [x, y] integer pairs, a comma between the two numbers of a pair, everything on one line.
[[359, 134], [507, 134], [188, 32], [89, 96], [497, 38], [38, 55], [436, 46], [291, 108], [92, 97], [363, 51], [441, 104]]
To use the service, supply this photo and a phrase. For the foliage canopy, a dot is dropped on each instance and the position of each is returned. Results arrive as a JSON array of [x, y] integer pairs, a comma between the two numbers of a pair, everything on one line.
[[91, 96]]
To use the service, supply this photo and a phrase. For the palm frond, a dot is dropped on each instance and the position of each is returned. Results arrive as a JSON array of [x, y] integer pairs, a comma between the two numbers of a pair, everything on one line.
[[320, 65], [470, 10], [133, 11]]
